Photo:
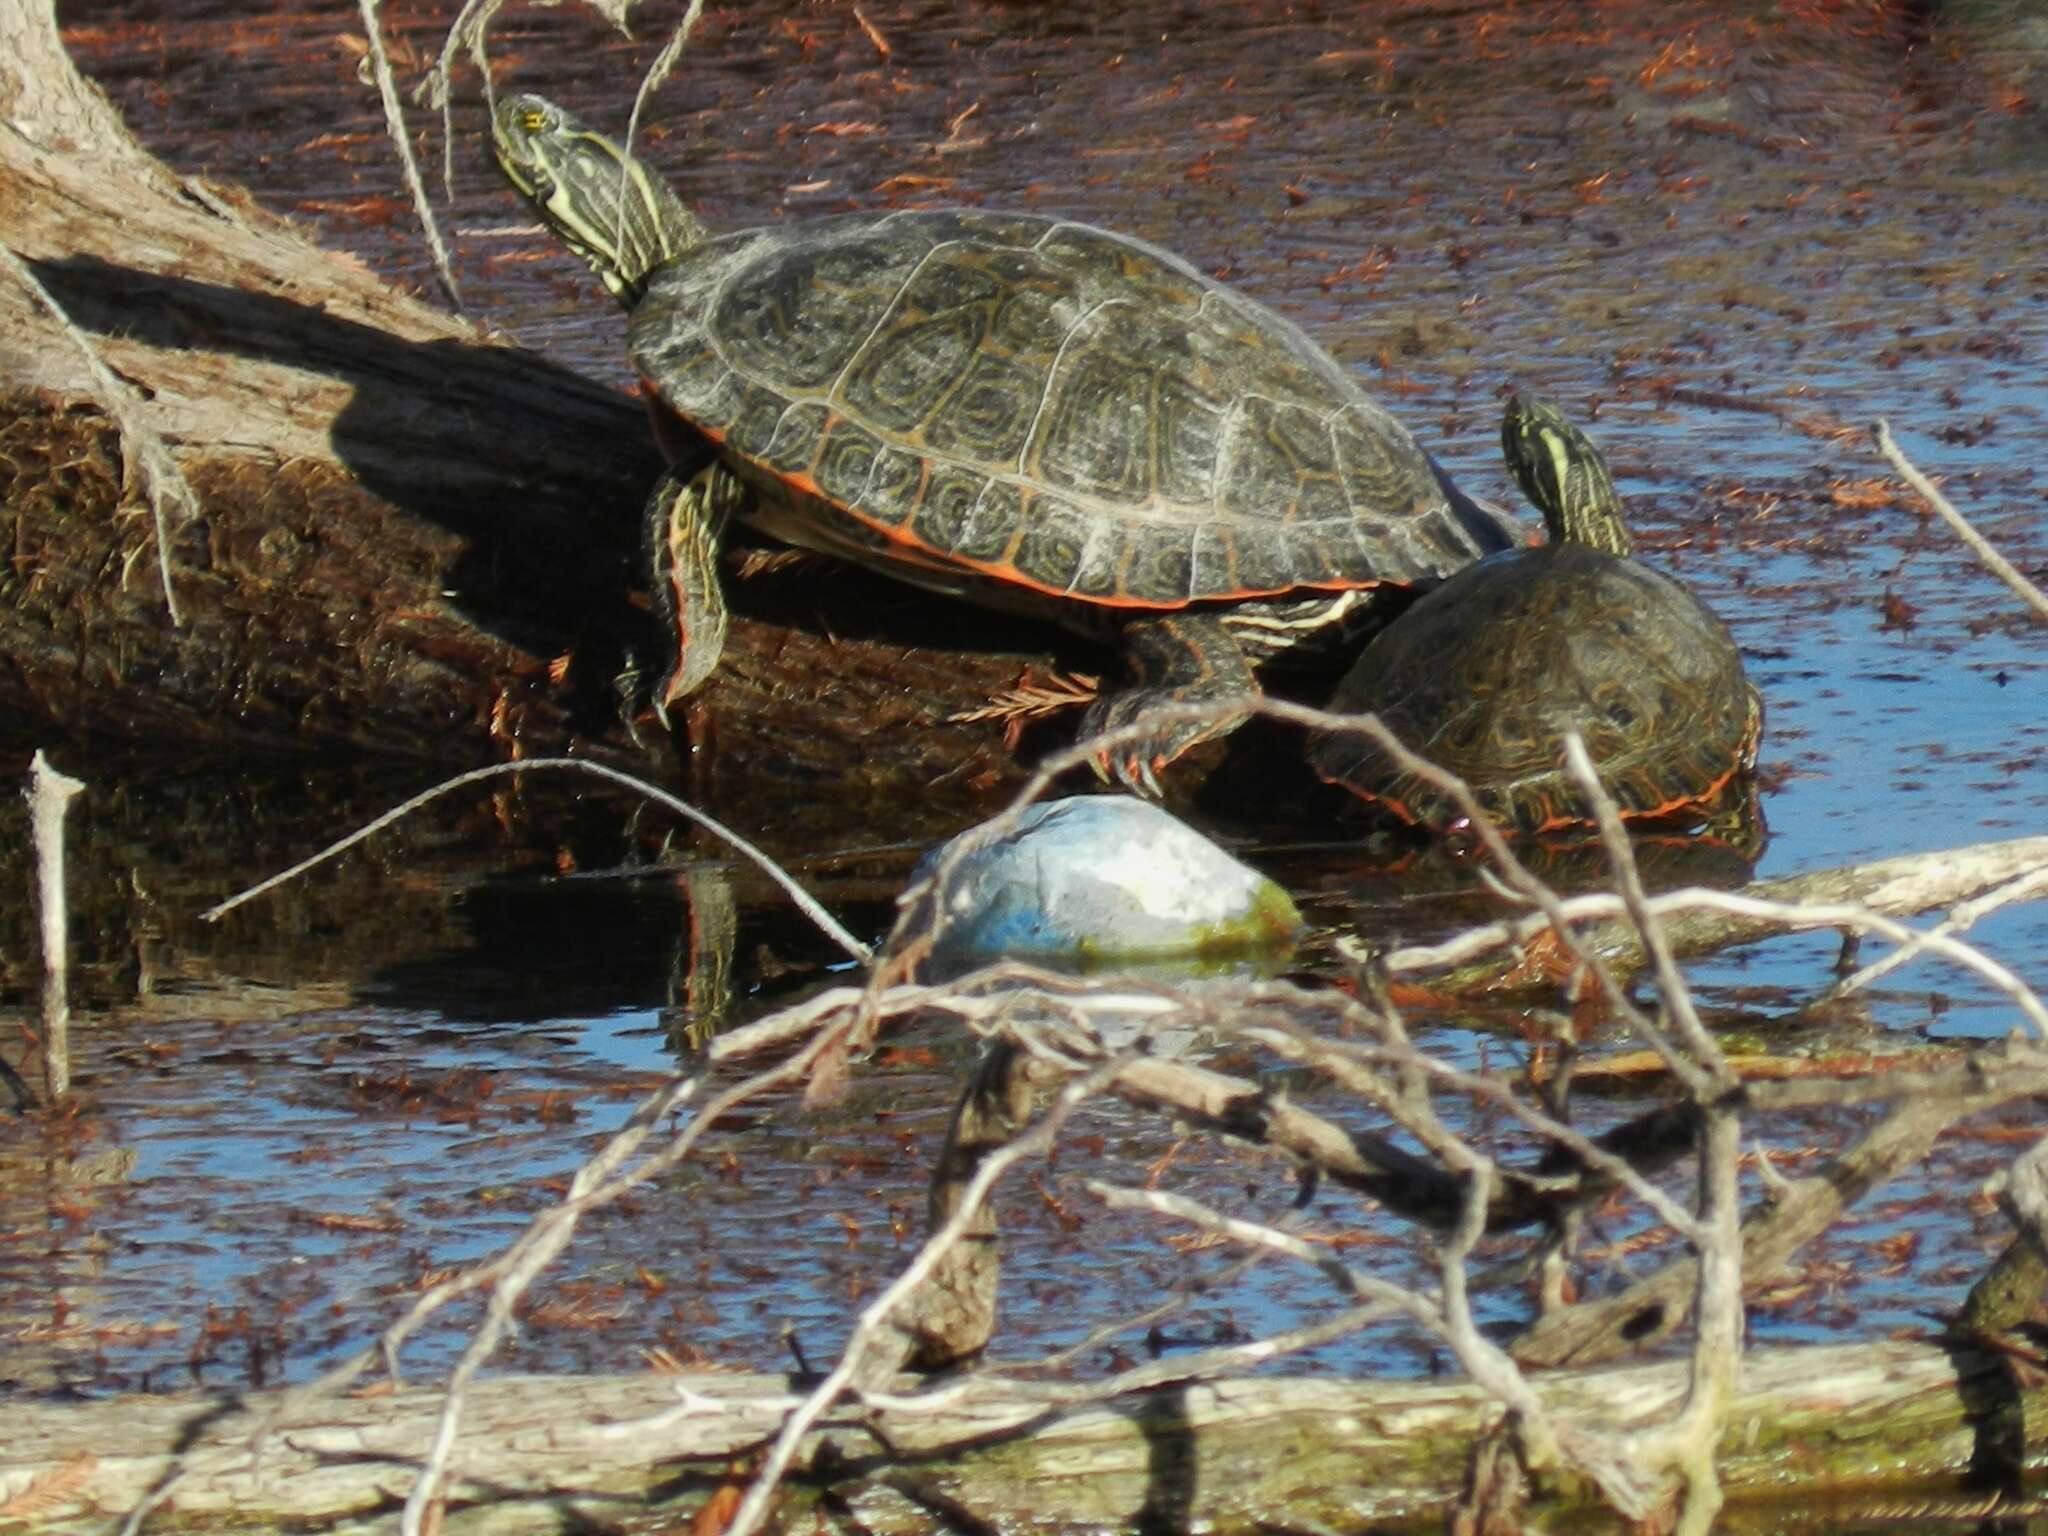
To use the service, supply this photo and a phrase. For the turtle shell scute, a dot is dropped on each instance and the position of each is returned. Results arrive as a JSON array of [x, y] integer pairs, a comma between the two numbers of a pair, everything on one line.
[[1485, 676], [1044, 404]]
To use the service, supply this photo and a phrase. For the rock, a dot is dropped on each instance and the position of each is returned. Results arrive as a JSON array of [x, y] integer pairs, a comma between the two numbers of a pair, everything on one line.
[[1101, 881]]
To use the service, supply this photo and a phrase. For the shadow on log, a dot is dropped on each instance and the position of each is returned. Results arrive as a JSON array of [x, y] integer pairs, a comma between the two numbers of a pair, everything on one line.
[[408, 538]]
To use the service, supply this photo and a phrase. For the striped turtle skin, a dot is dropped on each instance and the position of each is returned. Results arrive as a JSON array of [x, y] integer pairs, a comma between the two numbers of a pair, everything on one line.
[[1485, 675], [1027, 412]]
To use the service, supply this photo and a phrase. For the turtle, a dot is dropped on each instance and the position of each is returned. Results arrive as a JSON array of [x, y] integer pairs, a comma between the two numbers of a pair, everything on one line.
[[1486, 674], [1021, 410]]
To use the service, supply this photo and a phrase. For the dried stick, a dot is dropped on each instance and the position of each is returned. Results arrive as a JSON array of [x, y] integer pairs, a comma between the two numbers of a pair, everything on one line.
[[1689, 1072], [1198, 1365], [594, 1185], [466, 31], [2015, 1067], [664, 63], [1354, 1283], [1592, 1331], [1977, 544], [49, 795], [1629, 884], [394, 124], [519, 1265], [1790, 917], [873, 1322], [1687, 1442], [1857, 919], [1959, 920], [515, 1267], [600, 1181], [1898, 887], [143, 453], [803, 900], [1329, 1056], [1451, 1321]]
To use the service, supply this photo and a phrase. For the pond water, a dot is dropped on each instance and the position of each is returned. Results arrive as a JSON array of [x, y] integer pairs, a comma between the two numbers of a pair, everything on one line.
[[1713, 232]]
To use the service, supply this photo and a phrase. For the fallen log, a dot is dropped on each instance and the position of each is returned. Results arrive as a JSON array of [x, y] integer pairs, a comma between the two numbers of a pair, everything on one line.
[[1524, 956], [403, 535], [1873, 1421]]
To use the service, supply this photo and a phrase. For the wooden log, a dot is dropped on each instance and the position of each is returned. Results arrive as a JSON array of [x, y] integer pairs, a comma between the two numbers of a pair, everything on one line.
[[407, 537], [1523, 956], [1876, 1420]]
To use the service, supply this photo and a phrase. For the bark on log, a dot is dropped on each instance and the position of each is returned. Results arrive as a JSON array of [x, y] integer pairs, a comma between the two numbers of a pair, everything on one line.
[[546, 1454], [402, 526]]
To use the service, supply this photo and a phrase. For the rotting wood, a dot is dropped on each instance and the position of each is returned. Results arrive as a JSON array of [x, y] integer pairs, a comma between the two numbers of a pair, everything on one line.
[[411, 538], [538, 1453]]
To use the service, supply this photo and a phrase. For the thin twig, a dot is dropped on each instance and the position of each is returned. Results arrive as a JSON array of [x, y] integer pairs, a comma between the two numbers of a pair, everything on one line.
[[1960, 920], [515, 1271], [394, 124], [1686, 1443], [1978, 545], [659, 70], [803, 900], [874, 1318], [1791, 917], [1351, 1282], [437, 90], [1547, 901], [49, 795], [144, 454], [1313, 1050], [1699, 1043], [1857, 919]]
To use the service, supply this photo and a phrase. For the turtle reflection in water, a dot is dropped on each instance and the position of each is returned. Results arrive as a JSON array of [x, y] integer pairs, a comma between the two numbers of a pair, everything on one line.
[[1486, 675], [1026, 412]]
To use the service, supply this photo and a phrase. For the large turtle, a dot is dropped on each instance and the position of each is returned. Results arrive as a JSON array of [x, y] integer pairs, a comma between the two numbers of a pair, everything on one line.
[[1486, 674], [1023, 411]]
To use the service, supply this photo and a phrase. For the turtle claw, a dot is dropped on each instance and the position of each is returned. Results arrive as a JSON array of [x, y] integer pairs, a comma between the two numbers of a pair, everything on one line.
[[1132, 773]]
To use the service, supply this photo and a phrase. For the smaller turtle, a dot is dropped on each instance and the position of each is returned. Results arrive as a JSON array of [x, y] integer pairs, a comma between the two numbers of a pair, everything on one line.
[[1486, 674]]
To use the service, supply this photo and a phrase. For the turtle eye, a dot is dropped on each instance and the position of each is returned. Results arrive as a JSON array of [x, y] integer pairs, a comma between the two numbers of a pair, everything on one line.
[[533, 120]]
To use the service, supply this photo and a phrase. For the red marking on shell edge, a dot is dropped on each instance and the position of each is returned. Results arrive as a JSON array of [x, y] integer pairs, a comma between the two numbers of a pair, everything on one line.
[[1009, 575], [1406, 814]]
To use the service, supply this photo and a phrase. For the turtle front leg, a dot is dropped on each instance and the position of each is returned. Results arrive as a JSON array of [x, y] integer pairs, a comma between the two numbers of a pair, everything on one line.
[[1172, 658], [685, 518]]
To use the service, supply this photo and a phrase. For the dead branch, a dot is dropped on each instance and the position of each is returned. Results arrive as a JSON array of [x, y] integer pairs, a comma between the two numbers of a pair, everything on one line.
[[799, 897], [1986, 553], [1607, 1328], [1504, 957]]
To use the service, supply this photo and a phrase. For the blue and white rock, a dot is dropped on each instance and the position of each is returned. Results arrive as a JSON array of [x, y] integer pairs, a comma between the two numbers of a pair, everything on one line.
[[1103, 881]]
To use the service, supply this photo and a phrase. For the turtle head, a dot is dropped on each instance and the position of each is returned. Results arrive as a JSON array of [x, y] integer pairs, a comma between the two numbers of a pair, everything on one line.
[[1564, 475], [609, 207]]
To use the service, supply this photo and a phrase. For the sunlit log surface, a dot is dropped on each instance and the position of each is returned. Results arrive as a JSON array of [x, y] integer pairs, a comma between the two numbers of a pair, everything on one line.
[[536, 1453]]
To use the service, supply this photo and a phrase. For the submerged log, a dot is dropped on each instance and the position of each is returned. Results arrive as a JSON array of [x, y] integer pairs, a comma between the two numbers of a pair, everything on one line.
[[407, 536], [1880, 1421]]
